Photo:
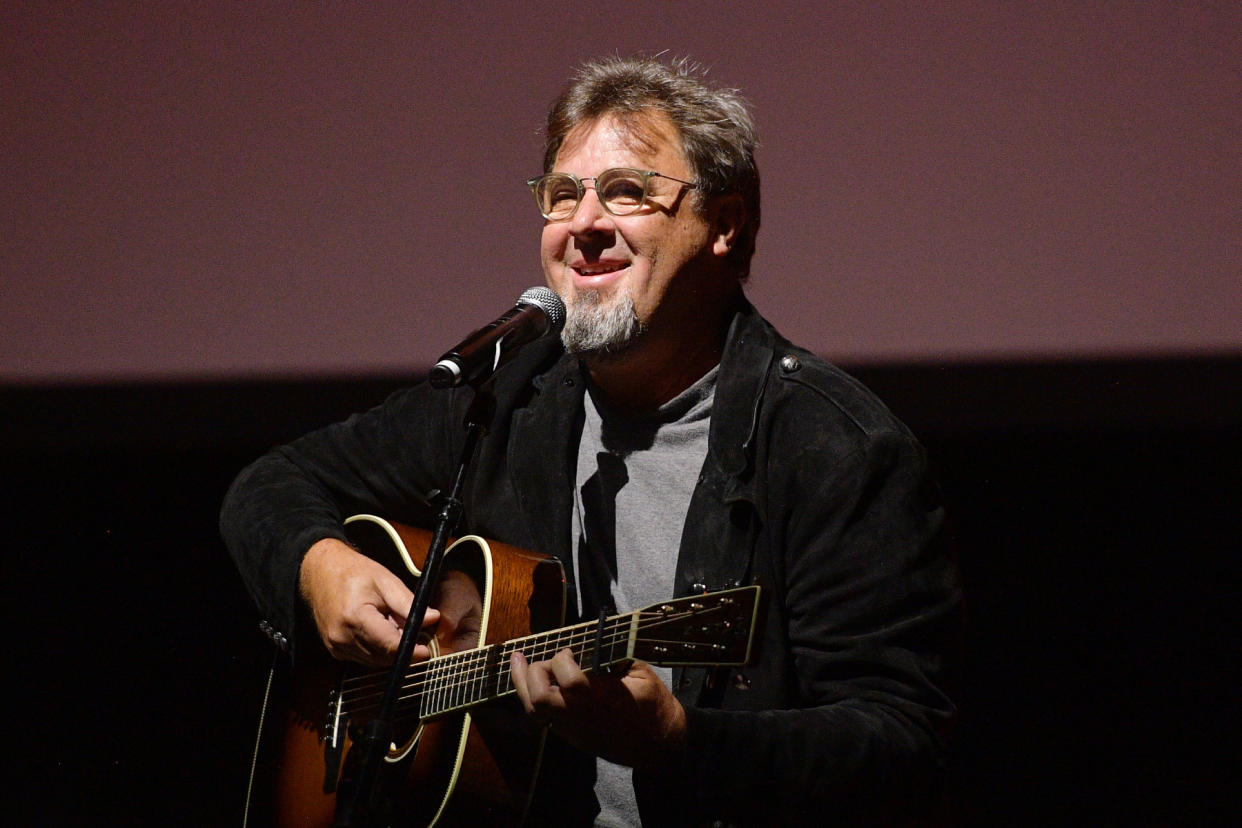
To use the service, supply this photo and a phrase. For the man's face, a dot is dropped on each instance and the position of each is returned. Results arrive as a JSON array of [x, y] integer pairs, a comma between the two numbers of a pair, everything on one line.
[[624, 276]]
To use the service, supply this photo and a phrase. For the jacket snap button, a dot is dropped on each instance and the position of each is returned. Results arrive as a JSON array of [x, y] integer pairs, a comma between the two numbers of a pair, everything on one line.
[[790, 363]]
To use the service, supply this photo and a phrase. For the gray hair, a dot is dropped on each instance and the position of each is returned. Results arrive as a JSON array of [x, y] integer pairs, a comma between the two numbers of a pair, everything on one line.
[[717, 132]]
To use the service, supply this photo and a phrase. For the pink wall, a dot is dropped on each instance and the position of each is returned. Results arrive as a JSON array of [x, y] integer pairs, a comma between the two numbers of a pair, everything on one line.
[[250, 189]]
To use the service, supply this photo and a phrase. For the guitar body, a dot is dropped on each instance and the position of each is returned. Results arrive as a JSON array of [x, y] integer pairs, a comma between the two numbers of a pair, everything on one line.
[[474, 767]]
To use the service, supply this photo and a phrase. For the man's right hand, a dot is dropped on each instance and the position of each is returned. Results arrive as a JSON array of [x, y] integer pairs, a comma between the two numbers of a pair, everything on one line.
[[358, 605]]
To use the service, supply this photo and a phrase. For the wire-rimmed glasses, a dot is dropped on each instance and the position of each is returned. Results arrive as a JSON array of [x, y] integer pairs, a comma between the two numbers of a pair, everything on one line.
[[622, 191]]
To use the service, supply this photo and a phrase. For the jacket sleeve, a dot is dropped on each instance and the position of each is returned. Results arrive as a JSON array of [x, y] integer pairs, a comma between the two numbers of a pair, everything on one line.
[[383, 461], [863, 623]]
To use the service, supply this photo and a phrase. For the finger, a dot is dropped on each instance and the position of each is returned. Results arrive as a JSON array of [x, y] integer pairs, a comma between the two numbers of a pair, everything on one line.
[[543, 696], [541, 683], [392, 596], [422, 651], [567, 675], [519, 671], [376, 636], [380, 634]]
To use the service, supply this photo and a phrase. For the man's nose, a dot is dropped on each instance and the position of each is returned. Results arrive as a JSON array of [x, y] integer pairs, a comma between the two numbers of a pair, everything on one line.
[[590, 217]]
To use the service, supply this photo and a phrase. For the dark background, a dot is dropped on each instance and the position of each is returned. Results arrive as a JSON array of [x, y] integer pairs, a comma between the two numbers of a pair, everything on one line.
[[1097, 513]]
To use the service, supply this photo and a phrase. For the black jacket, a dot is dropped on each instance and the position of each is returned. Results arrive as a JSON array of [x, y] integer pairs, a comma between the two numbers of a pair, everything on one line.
[[810, 488]]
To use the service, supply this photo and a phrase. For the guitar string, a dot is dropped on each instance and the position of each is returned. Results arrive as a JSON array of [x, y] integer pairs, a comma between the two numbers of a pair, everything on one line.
[[446, 671], [448, 667], [477, 686], [445, 687], [541, 644], [446, 663]]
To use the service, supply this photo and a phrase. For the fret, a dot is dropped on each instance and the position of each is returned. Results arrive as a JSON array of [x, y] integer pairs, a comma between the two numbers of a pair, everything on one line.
[[456, 686], [470, 678], [489, 676], [504, 674], [427, 698]]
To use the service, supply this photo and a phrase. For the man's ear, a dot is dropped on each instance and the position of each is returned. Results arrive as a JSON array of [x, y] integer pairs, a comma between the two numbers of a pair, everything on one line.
[[728, 216]]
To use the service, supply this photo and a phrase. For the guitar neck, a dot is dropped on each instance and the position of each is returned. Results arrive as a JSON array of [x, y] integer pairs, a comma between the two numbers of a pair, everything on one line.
[[462, 680], [459, 681], [704, 630]]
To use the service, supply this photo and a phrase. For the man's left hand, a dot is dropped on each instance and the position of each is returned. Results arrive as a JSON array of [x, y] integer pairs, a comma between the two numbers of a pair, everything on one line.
[[631, 719]]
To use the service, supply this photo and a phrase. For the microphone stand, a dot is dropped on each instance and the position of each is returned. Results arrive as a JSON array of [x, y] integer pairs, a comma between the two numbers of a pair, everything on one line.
[[364, 805]]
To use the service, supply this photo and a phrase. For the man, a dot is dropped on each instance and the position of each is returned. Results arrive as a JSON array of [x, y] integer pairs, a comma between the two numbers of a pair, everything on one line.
[[673, 443]]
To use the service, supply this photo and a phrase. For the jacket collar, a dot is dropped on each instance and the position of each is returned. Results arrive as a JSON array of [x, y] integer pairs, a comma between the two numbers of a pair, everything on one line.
[[542, 448], [744, 366]]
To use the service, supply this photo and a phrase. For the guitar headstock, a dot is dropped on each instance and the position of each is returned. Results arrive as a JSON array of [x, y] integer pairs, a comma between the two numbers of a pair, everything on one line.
[[710, 629]]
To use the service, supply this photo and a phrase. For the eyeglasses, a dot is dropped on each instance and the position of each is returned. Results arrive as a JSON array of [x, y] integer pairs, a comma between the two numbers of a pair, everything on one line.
[[621, 190]]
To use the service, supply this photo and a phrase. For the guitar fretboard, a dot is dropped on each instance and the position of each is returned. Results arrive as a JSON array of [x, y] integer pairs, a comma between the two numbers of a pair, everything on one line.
[[461, 680], [457, 681], [702, 630]]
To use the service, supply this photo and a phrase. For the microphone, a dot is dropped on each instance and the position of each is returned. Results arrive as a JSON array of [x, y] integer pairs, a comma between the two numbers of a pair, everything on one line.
[[538, 312]]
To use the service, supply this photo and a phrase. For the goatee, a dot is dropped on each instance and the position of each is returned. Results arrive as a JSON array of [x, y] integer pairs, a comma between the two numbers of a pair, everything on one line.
[[596, 326]]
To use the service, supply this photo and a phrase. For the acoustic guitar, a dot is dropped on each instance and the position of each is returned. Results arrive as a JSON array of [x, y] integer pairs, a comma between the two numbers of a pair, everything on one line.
[[464, 752]]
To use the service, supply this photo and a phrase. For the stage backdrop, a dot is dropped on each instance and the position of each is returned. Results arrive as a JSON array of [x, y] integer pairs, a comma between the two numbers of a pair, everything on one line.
[[230, 190]]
